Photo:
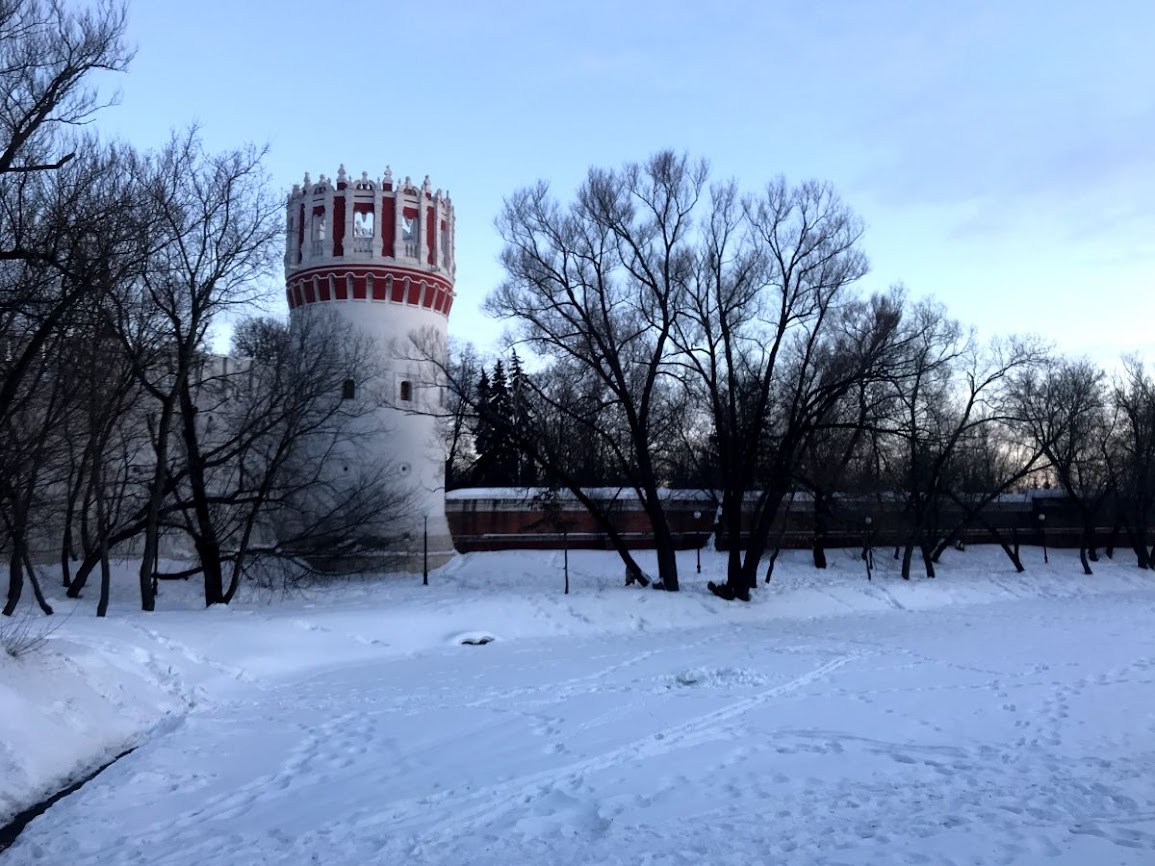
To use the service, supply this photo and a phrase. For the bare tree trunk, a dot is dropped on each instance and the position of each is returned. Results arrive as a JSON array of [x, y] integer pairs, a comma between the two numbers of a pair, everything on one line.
[[772, 559], [927, 558], [66, 543], [151, 549], [80, 580], [820, 529], [1012, 553], [776, 547], [205, 538], [105, 581], [1085, 543], [1084, 560], [34, 581], [940, 547], [1138, 539], [15, 584], [102, 539], [907, 557], [15, 570], [664, 547]]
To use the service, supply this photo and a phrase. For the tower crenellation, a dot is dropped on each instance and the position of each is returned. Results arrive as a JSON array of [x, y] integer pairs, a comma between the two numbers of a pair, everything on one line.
[[369, 229]]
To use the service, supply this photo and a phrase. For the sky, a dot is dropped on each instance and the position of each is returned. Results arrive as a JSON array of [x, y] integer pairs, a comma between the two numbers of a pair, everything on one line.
[[1002, 155]]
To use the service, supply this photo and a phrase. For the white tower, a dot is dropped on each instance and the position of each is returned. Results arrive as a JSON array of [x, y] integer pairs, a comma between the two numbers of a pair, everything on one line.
[[380, 255]]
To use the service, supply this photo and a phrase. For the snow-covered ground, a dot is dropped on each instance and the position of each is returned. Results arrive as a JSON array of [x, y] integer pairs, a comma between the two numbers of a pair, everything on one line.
[[980, 718]]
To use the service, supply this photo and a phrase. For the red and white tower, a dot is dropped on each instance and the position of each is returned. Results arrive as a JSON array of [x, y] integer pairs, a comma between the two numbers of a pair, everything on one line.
[[379, 254]]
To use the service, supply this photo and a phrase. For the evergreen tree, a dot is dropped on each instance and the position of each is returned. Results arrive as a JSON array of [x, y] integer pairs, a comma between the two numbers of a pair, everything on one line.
[[503, 403], [502, 454], [483, 433], [521, 414]]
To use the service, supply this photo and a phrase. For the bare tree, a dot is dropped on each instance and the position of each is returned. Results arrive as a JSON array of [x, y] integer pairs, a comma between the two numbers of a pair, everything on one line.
[[47, 54], [774, 340], [1131, 455], [992, 458], [213, 226], [1063, 408], [460, 419], [83, 215], [948, 393], [926, 422], [288, 471], [596, 286], [82, 218], [32, 460], [287, 466], [106, 440], [555, 437], [840, 439]]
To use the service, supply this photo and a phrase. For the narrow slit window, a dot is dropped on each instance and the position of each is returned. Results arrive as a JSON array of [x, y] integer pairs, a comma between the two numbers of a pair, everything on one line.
[[406, 391], [348, 389]]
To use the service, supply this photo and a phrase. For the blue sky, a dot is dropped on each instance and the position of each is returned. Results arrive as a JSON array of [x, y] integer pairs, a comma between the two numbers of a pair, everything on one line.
[[1002, 154]]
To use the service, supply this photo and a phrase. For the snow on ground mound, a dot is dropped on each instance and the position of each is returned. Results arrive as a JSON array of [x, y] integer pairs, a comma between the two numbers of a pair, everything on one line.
[[69, 707], [472, 638]]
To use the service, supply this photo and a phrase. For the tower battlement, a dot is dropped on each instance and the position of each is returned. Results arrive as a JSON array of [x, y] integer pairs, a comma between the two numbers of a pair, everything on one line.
[[360, 239]]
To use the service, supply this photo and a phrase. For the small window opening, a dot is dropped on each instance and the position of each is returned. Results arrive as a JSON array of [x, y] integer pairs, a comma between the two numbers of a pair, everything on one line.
[[363, 224], [348, 389], [406, 391]]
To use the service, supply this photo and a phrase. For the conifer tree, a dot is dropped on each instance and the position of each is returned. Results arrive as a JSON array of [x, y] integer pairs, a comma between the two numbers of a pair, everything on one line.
[[521, 414], [501, 455], [483, 433]]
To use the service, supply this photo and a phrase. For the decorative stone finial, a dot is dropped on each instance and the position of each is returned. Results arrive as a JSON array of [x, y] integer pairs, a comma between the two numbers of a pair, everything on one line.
[[341, 175], [426, 186], [388, 174], [308, 181]]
